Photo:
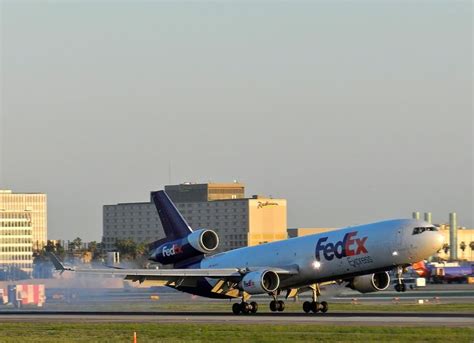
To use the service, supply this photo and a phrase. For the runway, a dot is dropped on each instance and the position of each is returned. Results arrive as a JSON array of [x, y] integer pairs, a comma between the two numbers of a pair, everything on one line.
[[336, 318]]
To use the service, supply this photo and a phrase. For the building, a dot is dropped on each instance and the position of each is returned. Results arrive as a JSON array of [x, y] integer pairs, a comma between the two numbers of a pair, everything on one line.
[[201, 192], [305, 231], [33, 203], [238, 221], [16, 244], [465, 243]]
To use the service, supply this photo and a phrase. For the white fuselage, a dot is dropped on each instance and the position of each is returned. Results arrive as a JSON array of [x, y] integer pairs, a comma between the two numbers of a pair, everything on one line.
[[322, 257]]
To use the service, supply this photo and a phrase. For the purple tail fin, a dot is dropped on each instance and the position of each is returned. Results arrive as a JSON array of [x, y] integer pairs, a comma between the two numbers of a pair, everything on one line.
[[174, 225]]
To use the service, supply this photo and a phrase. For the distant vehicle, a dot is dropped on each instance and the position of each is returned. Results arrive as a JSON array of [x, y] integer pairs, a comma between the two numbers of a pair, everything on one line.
[[444, 272], [358, 257], [19, 295]]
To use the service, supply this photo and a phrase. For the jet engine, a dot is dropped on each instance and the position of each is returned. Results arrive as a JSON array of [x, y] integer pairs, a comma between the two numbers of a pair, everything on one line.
[[203, 240], [259, 282], [197, 243], [370, 282]]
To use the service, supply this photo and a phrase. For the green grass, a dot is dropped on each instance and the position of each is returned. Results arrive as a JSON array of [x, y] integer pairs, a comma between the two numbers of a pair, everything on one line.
[[169, 333], [225, 306]]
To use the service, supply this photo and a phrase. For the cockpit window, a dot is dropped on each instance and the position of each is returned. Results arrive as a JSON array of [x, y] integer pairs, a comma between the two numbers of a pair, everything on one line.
[[418, 230]]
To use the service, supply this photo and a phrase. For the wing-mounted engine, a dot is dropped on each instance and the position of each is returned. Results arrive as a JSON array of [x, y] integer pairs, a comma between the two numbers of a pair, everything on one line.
[[370, 282], [260, 282], [197, 243]]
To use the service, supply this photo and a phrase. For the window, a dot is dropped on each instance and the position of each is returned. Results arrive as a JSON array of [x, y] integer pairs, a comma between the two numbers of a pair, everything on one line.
[[418, 230]]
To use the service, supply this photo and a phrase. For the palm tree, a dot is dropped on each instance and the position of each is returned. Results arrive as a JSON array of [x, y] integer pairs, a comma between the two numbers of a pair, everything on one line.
[[463, 247]]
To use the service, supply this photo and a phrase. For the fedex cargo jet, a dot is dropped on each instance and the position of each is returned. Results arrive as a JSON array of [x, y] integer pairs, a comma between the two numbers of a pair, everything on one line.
[[358, 256]]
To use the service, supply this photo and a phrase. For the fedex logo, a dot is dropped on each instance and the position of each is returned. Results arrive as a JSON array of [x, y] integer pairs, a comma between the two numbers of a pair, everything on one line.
[[249, 283], [172, 250], [349, 246]]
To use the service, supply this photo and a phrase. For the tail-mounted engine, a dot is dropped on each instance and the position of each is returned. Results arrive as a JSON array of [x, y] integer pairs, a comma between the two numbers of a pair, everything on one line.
[[197, 243], [260, 282], [371, 282]]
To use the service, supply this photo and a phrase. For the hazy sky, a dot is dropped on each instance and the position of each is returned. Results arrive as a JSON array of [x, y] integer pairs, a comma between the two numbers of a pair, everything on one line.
[[353, 111]]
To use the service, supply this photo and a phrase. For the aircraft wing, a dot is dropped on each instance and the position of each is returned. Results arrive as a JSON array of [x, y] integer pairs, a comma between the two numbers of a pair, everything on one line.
[[168, 274]]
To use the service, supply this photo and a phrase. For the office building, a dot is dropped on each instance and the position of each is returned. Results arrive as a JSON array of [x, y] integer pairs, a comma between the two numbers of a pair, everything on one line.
[[35, 204], [238, 221], [305, 231], [202, 192], [16, 243]]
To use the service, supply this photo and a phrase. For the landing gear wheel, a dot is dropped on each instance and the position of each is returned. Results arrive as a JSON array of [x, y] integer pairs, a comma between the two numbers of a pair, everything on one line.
[[274, 306], [245, 308], [400, 287], [307, 307], [315, 307], [253, 307], [324, 307], [236, 308], [281, 306]]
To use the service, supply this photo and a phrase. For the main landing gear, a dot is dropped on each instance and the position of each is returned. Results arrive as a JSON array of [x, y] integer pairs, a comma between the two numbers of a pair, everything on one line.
[[315, 306], [400, 285], [277, 305], [252, 307], [245, 307]]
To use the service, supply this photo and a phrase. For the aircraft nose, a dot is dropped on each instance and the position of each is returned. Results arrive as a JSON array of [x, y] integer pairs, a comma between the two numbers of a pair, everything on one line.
[[439, 240]]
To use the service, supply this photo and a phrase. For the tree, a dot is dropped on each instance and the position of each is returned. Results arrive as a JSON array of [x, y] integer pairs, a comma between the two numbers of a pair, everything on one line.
[[127, 248], [445, 248], [59, 250], [463, 246], [142, 249], [55, 248], [471, 245], [77, 243]]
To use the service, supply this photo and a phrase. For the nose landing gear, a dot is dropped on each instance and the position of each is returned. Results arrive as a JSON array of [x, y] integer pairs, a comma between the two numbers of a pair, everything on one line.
[[400, 285]]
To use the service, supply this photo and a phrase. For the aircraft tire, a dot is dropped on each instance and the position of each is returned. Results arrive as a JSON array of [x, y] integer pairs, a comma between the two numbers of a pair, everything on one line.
[[307, 307], [315, 307], [324, 306], [273, 306], [281, 305], [253, 307], [236, 308], [245, 308]]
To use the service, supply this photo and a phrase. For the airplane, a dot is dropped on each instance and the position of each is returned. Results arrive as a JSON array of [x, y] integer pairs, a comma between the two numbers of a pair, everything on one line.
[[358, 257], [440, 272]]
